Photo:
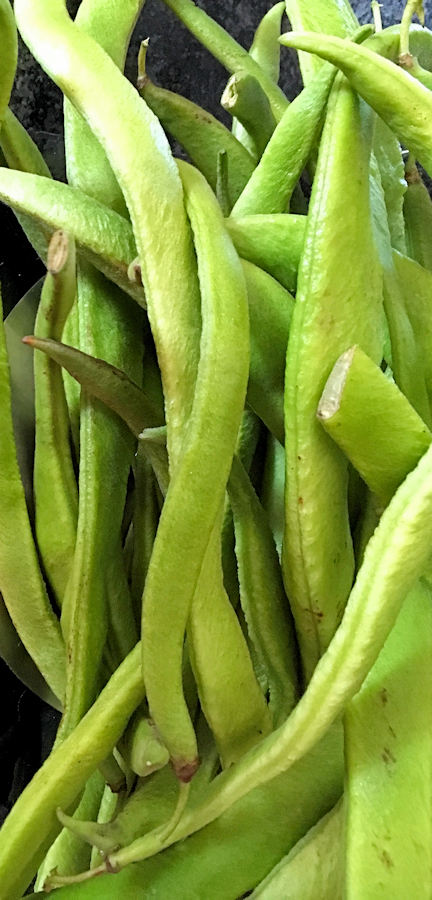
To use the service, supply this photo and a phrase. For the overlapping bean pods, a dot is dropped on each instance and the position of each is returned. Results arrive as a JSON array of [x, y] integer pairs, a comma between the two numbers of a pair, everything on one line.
[[223, 571]]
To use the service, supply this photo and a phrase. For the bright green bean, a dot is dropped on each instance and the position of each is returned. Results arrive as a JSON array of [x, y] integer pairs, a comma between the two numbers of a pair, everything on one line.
[[273, 242], [271, 185], [19, 149], [403, 103], [334, 308], [373, 423], [262, 595], [104, 237], [416, 287], [245, 100], [224, 48], [21, 582], [389, 158], [272, 489], [55, 487]]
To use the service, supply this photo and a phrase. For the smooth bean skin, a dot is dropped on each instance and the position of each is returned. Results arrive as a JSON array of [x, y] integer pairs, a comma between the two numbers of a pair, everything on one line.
[[314, 866], [201, 135], [207, 864], [224, 48], [388, 155], [273, 242], [418, 218], [395, 438], [20, 151], [332, 311], [403, 103], [388, 764], [394, 559], [270, 186]]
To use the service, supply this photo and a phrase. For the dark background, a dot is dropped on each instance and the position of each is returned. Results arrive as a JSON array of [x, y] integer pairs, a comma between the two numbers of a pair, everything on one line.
[[175, 61]]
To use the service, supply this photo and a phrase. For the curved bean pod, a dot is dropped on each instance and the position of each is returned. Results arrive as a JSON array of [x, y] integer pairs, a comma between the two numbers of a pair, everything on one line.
[[224, 48], [403, 103], [270, 186], [134, 143], [395, 557], [20, 151]]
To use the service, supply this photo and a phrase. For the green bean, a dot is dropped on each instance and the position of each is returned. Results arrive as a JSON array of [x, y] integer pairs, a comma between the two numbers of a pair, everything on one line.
[[262, 596], [55, 487], [314, 866], [417, 210], [270, 311], [71, 387], [9, 55], [138, 408], [273, 242], [389, 158], [213, 431], [32, 824], [20, 576], [387, 43], [199, 133], [330, 314], [271, 185], [169, 269], [387, 752], [245, 100], [225, 49], [122, 625], [142, 746], [333, 18], [265, 48], [403, 103], [395, 557], [357, 392], [238, 715], [101, 234], [145, 522], [69, 855]]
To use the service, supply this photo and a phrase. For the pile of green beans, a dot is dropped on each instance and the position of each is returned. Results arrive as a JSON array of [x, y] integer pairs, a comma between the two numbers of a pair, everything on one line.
[[217, 564]]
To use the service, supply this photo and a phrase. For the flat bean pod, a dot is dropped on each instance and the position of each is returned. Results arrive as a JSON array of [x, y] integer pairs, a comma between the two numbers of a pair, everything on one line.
[[332, 18], [273, 242], [245, 100], [330, 307]]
